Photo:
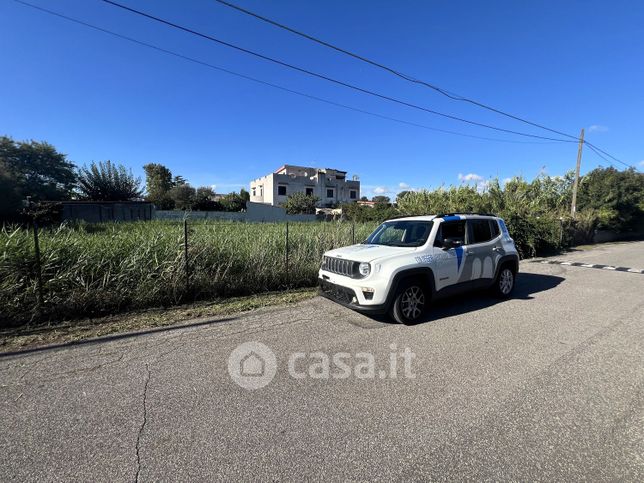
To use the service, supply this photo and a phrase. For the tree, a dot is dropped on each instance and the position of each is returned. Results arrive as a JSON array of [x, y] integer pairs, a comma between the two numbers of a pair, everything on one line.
[[233, 202], [179, 180], [36, 169], [381, 199], [360, 213], [401, 195], [205, 192], [11, 201], [364, 198], [183, 196], [107, 181], [618, 197], [245, 195], [300, 204], [158, 183], [203, 200], [381, 211]]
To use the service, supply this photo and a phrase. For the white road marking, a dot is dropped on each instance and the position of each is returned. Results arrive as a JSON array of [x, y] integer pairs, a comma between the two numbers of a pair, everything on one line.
[[589, 265]]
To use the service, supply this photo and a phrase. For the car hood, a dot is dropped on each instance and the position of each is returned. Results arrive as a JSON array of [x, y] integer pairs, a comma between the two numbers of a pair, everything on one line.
[[366, 252]]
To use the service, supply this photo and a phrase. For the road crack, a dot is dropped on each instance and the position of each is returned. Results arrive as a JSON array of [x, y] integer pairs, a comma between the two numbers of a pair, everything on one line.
[[144, 422]]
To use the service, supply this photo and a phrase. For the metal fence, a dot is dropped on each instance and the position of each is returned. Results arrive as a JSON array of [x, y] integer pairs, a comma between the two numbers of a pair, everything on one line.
[[79, 270]]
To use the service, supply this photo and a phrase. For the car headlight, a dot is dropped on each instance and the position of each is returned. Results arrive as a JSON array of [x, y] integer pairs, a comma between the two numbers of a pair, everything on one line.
[[364, 268]]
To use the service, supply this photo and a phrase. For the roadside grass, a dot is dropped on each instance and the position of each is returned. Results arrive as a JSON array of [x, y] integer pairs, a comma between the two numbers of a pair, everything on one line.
[[109, 268], [37, 335]]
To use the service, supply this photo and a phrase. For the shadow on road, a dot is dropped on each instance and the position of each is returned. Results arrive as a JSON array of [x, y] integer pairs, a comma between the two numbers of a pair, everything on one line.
[[109, 338], [527, 284], [530, 283]]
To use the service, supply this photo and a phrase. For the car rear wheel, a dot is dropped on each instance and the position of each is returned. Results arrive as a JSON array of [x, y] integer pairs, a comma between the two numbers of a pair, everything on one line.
[[410, 303], [504, 282]]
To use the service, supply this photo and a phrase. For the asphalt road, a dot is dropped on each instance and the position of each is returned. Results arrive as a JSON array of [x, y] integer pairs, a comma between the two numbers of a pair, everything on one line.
[[548, 385]]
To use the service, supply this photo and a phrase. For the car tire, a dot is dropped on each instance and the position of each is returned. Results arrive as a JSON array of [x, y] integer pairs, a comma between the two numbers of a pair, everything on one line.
[[410, 303], [504, 283]]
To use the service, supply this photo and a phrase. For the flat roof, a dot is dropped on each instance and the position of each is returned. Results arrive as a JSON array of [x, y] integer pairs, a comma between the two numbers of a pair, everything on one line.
[[309, 168]]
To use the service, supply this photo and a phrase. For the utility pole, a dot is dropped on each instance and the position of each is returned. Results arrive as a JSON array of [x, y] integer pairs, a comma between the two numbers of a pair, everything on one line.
[[573, 207]]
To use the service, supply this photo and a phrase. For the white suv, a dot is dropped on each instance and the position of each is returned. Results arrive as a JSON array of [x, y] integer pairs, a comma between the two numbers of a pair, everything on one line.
[[406, 262]]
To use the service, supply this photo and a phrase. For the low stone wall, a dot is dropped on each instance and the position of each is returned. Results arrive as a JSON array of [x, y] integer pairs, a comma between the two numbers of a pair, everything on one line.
[[255, 212], [105, 211], [603, 236]]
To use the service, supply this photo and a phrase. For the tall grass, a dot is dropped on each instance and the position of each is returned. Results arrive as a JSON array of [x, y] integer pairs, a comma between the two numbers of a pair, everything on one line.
[[106, 268]]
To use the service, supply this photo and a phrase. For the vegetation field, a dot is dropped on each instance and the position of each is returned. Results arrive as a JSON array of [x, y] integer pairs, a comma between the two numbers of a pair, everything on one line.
[[107, 268]]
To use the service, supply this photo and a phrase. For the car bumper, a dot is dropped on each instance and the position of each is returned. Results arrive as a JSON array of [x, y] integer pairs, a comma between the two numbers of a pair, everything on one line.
[[347, 297]]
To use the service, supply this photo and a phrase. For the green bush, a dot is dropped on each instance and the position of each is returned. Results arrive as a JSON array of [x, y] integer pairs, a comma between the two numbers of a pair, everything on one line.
[[300, 204], [616, 196]]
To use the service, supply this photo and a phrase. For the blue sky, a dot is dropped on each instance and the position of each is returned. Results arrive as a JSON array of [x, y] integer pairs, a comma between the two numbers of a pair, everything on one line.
[[567, 65]]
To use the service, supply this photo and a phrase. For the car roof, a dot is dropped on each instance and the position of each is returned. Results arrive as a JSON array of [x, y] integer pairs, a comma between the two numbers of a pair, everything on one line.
[[449, 216], [414, 218]]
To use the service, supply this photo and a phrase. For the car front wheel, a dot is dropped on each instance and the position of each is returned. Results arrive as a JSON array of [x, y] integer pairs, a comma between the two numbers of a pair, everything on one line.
[[410, 304]]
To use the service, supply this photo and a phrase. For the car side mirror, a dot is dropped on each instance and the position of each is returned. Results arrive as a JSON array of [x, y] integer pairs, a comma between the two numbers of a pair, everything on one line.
[[451, 243]]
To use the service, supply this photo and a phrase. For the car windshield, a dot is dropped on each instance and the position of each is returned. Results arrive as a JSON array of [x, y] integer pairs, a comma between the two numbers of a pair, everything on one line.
[[401, 234]]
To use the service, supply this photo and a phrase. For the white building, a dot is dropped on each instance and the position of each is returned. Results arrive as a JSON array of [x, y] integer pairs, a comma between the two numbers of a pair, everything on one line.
[[329, 185]]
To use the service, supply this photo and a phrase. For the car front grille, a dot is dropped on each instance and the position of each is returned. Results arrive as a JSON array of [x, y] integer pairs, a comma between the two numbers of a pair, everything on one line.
[[343, 295], [339, 266]]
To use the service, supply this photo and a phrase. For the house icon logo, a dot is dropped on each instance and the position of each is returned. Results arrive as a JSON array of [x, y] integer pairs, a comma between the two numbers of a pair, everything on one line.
[[252, 365]]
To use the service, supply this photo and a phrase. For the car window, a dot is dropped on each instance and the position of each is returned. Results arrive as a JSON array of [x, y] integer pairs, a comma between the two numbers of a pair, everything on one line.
[[495, 228], [391, 235], [450, 229], [481, 231], [401, 233]]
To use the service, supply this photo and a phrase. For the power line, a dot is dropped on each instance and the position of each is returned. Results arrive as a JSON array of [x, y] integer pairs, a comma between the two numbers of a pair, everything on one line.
[[389, 69], [324, 77], [259, 81], [302, 94], [598, 150], [409, 78], [600, 155]]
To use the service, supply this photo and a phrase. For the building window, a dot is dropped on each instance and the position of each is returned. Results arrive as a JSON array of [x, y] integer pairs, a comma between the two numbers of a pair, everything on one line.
[[329, 193], [353, 194], [309, 191], [281, 190], [254, 191]]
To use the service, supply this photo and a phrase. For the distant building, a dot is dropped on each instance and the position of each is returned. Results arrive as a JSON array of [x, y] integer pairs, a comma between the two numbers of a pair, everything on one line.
[[331, 186], [370, 204]]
